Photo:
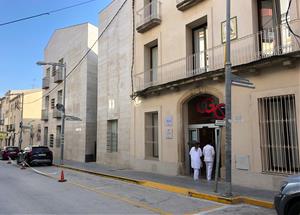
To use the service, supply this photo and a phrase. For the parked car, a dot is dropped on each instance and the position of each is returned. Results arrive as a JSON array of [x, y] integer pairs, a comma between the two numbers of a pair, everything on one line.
[[36, 155], [9, 151], [287, 201]]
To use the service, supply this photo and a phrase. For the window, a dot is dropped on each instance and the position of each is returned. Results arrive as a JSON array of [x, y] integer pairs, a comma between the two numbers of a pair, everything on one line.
[[52, 103], [151, 134], [199, 50], [59, 97], [58, 136], [47, 103], [271, 13], [51, 141], [112, 136], [151, 63], [45, 136], [278, 134]]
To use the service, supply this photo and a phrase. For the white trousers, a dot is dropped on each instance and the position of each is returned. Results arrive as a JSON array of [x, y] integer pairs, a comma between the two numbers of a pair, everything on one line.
[[209, 167], [196, 174]]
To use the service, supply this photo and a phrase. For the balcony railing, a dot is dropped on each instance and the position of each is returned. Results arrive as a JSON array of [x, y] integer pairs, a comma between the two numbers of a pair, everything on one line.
[[46, 82], [148, 17], [56, 113], [11, 127], [261, 45], [185, 4], [45, 114], [58, 77]]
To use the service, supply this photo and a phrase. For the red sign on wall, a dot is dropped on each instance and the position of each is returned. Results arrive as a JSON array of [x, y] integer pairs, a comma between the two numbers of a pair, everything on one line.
[[208, 106]]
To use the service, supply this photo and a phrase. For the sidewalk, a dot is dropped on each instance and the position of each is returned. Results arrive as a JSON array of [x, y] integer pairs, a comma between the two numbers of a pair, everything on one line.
[[181, 183]]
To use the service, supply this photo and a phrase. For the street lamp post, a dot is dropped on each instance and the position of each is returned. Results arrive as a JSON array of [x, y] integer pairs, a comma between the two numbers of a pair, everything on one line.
[[228, 82], [62, 107]]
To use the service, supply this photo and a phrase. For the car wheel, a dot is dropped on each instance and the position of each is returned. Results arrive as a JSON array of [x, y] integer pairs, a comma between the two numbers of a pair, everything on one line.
[[294, 209]]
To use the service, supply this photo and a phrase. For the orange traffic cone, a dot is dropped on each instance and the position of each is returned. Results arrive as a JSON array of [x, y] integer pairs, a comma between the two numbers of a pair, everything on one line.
[[62, 177], [23, 166]]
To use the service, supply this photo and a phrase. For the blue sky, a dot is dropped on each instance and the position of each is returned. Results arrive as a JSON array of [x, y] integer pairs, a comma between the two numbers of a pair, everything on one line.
[[22, 44]]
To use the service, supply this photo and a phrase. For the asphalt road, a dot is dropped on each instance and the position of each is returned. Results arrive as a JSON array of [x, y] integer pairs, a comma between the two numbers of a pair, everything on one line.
[[27, 192]]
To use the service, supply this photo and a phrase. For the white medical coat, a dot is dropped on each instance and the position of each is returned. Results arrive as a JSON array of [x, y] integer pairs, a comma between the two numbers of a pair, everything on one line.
[[209, 153], [195, 158]]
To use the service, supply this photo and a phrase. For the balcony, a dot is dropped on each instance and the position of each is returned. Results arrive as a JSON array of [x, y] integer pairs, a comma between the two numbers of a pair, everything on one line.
[[11, 127], [58, 75], [261, 47], [46, 82], [186, 4], [148, 17], [56, 113], [45, 114]]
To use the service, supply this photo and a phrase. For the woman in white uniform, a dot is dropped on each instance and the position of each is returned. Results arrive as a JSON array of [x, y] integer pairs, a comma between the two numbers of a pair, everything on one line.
[[196, 164]]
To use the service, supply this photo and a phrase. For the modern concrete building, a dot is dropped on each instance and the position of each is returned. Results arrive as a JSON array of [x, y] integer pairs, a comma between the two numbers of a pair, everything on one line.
[[69, 45], [114, 84], [179, 84], [20, 106]]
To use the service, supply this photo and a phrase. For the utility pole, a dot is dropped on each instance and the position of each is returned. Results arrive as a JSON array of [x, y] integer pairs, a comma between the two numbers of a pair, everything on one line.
[[21, 123], [228, 81]]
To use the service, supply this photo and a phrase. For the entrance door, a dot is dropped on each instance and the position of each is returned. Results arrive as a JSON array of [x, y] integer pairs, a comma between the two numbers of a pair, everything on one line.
[[204, 133]]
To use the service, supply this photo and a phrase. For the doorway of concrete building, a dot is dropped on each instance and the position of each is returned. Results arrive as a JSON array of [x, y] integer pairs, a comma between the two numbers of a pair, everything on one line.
[[205, 134]]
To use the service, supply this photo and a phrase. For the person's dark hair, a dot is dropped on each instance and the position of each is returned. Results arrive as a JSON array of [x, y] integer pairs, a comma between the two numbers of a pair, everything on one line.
[[196, 144]]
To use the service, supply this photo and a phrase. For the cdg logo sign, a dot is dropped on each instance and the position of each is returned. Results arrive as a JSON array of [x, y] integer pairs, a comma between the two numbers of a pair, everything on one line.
[[207, 106]]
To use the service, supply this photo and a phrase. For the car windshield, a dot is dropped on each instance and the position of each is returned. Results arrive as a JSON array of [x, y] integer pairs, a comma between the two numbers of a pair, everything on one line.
[[11, 149], [40, 149]]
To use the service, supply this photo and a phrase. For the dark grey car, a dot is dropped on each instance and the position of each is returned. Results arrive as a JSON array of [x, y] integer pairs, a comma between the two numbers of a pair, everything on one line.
[[287, 202]]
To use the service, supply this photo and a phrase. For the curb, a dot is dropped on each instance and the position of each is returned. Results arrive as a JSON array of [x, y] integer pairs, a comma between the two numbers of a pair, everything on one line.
[[179, 190]]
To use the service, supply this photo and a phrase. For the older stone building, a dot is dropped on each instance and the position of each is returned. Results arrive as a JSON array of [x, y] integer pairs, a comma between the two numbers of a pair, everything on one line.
[[20, 107], [69, 45], [179, 84]]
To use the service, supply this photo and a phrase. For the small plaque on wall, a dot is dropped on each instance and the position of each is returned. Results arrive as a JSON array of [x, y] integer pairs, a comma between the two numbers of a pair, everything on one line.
[[169, 133], [169, 121], [233, 29]]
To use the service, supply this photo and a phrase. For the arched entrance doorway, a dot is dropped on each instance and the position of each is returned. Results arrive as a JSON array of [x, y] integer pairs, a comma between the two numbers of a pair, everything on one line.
[[200, 115]]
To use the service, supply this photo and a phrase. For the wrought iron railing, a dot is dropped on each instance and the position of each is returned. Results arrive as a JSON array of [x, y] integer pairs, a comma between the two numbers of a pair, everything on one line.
[[58, 77], [46, 82], [261, 45], [45, 114], [149, 12]]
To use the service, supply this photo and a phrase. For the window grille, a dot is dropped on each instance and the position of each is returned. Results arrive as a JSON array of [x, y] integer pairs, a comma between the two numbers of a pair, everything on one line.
[[51, 140], [52, 103], [112, 136], [278, 134]]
